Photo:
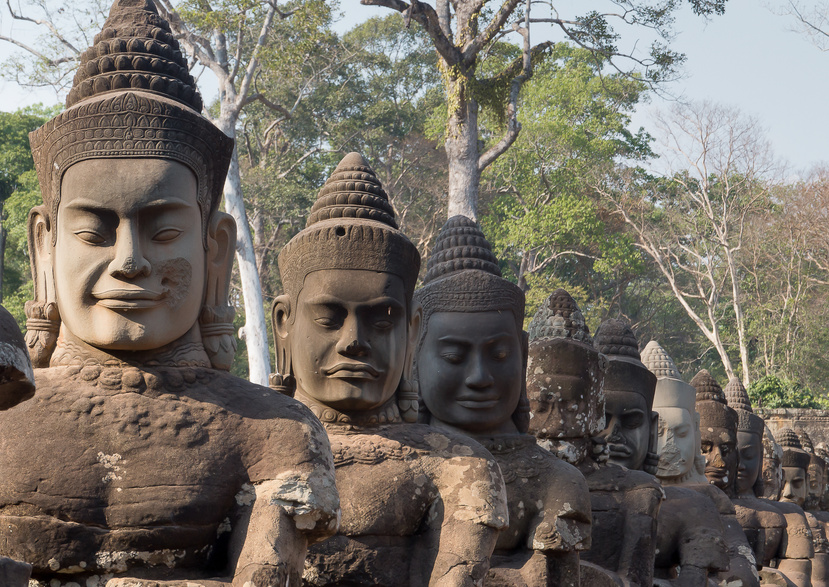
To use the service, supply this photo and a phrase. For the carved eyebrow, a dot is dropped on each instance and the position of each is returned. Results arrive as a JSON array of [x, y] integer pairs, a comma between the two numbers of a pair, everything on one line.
[[95, 207], [450, 338], [328, 300]]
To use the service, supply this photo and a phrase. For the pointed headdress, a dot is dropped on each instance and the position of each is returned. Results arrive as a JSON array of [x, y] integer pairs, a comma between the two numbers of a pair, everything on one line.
[[615, 339], [351, 226], [671, 390], [793, 453], [133, 97], [712, 406], [737, 397]]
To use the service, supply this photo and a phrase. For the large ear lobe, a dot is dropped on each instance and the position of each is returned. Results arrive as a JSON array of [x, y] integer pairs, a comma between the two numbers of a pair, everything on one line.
[[413, 334], [216, 318], [281, 323], [42, 316]]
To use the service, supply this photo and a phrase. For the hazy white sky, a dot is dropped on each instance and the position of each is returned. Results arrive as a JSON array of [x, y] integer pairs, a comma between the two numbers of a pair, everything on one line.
[[749, 58]]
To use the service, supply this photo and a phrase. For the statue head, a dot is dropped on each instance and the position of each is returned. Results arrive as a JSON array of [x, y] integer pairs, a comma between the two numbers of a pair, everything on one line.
[[823, 453], [17, 381], [565, 379], [795, 466], [816, 471], [471, 358], [129, 250], [772, 473], [750, 428], [345, 327], [678, 439], [631, 424], [718, 432]]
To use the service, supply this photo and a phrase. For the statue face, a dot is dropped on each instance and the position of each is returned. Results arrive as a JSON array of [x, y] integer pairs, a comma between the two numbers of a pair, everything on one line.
[[129, 260], [772, 477], [795, 485], [676, 442], [817, 482], [628, 428], [470, 370], [719, 446], [750, 450], [349, 337]]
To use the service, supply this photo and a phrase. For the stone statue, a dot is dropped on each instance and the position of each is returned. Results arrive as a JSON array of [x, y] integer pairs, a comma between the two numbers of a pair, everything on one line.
[[631, 424], [762, 523], [17, 384], [421, 505], [772, 469], [690, 539], [816, 473], [800, 547], [565, 379], [471, 367], [138, 461], [17, 381], [718, 436]]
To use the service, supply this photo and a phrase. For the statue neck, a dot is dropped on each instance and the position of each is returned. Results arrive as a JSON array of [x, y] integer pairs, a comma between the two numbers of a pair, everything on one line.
[[388, 413], [689, 477], [186, 351]]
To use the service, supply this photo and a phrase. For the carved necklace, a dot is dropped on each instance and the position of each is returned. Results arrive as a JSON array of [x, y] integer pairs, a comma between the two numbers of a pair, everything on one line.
[[346, 422]]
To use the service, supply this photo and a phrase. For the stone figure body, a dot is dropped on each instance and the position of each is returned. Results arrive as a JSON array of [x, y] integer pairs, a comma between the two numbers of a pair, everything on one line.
[[816, 484], [420, 505], [689, 530], [17, 381], [565, 378], [138, 462], [718, 436], [794, 488], [471, 366], [762, 523]]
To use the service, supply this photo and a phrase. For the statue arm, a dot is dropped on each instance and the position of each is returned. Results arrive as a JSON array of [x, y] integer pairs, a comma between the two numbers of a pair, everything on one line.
[[465, 521]]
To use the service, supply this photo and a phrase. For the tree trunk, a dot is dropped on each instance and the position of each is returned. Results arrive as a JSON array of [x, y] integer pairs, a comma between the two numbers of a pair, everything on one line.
[[2, 258], [462, 151], [255, 330]]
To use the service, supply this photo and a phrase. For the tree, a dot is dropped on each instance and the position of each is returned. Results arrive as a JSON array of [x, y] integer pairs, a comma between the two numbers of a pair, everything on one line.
[[692, 222], [236, 40], [541, 213], [466, 35]]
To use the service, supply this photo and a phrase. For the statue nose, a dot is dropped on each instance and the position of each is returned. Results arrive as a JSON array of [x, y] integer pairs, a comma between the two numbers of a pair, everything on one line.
[[128, 262]]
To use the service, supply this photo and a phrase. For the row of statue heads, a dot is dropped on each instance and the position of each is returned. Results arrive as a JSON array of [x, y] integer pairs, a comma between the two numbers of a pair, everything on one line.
[[413, 435]]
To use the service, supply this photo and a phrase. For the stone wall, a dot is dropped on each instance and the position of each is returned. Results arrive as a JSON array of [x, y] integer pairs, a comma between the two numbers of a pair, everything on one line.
[[815, 422]]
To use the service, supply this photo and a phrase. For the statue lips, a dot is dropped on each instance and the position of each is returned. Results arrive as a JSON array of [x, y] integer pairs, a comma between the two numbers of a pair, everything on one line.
[[129, 298], [478, 403], [716, 472], [351, 371], [619, 451]]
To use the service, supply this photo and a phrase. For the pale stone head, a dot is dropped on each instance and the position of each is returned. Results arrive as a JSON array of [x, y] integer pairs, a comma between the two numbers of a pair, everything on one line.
[[795, 466], [750, 429], [772, 472], [674, 402]]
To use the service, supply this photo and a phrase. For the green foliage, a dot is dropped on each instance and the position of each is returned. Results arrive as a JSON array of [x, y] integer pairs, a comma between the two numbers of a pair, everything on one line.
[[771, 391]]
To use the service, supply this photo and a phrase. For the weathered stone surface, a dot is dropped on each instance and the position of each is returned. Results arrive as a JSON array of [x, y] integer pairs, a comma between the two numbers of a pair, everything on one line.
[[420, 505], [17, 382]]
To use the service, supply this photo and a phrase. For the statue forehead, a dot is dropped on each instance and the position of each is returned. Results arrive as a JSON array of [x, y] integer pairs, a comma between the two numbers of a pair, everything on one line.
[[674, 416], [351, 285]]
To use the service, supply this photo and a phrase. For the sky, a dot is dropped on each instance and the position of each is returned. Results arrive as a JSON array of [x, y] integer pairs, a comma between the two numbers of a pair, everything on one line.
[[749, 58]]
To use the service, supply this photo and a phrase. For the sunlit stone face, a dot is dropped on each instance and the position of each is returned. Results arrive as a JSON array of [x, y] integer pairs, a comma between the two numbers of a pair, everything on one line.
[[129, 260], [349, 337], [719, 446], [750, 450], [676, 442], [795, 485], [772, 474], [470, 369], [817, 481]]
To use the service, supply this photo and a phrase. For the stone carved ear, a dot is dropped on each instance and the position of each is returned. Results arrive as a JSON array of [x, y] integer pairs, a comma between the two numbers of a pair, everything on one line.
[[280, 321], [216, 318], [521, 416], [413, 334], [42, 317]]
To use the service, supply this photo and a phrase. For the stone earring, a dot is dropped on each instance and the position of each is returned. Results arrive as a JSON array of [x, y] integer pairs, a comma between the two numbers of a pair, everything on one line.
[[218, 335], [651, 463], [407, 399], [42, 328]]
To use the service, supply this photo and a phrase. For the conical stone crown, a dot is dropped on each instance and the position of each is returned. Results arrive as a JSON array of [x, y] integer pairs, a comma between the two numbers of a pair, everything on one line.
[[708, 388], [135, 50], [788, 438], [353, 191], [559, 317], [615, 337], [460, 245], [658, 362], [737, 396], [805, 440]]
